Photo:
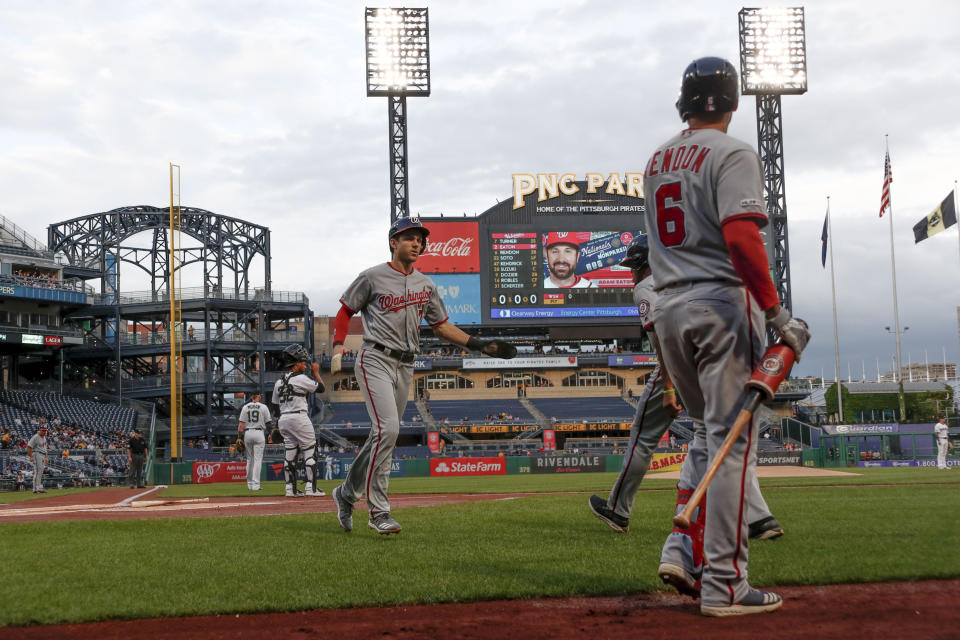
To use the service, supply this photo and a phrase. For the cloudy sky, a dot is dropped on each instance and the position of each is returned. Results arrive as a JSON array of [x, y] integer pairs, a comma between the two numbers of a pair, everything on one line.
[[263, 104]]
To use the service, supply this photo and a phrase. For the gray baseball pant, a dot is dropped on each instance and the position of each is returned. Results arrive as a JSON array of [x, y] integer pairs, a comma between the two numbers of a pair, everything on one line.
[[38, 466], [385, 385]]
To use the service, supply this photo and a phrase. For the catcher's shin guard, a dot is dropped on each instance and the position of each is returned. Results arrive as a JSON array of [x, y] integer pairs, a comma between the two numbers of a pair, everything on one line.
[[695, 530], [310, 466], [290, 466]]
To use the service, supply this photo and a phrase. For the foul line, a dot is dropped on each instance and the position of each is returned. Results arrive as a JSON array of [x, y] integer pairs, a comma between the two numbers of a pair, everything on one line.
[[140, 495]]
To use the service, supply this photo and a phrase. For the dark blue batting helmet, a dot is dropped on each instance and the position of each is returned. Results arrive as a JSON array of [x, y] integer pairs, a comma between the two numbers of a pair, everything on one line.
[[638, 253], [709, 85], [402, 224]]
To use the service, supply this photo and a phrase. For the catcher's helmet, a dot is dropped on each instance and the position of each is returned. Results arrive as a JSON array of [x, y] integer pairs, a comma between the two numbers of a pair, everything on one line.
[[402, 224], [709, 85], [638, 252], [295, 353]]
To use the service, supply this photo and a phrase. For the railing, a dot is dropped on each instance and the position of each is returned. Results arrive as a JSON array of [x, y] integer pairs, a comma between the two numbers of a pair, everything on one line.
[[200, 377], [11, 227], [147, 338], [204, 293]]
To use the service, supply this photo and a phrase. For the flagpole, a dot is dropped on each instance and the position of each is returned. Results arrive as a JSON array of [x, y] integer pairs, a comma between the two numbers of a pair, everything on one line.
[[836, 334], [896, 311]]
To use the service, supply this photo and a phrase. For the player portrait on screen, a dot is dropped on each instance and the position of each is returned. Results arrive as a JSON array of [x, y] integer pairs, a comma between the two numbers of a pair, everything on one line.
[[561, 251]]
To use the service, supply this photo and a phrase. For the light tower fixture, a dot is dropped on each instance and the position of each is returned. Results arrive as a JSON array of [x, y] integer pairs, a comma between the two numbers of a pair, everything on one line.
[[398, 65], [773, 62]]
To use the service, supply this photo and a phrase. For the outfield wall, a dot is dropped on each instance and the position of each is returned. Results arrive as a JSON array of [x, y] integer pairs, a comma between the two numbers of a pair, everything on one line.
[[233, 471]]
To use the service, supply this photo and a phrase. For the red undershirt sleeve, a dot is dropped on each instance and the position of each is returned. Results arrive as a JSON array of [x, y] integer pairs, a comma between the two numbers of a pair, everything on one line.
[[342, 324], [749, 258]]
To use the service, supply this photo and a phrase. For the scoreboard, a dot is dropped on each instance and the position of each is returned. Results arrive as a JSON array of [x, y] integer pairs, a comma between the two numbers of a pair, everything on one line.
[[559, 275], [543, 259]]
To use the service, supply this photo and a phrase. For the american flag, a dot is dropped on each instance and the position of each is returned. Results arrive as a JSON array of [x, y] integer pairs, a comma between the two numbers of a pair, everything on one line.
[[887, 179]]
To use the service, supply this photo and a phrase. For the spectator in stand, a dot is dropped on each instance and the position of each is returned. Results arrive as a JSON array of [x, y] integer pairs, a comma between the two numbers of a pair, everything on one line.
[[20, 482], [136, 457]]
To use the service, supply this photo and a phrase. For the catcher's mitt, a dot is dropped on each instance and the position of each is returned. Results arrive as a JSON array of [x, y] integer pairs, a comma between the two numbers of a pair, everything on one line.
[[240, 446], [500, 349]]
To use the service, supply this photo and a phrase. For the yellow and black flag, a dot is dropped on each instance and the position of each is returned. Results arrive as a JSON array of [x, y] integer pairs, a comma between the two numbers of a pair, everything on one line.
[[939, 219]]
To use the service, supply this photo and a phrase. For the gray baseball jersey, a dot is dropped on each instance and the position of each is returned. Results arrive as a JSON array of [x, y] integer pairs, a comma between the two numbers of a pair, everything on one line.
[[38, 443], [393, 305], [709, 327], [695, 182], [256, 415]]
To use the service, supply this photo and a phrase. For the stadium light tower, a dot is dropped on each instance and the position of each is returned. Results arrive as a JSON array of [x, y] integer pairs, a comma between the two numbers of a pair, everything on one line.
[[398, 65], [773, 62]]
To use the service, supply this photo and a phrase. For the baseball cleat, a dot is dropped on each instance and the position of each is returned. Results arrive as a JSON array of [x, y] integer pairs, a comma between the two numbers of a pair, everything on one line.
[[384, 524], [315, 493], [754, 602], [344, 511], [600, 509], [679, 579], [294, 493], [766, 529]]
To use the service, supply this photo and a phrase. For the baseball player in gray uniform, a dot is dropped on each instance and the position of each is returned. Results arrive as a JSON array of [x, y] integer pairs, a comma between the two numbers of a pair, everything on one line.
[[943, 441], [37, 450], [394, 298], [705, 205], [255, 418], [290, 393], [657, 408]]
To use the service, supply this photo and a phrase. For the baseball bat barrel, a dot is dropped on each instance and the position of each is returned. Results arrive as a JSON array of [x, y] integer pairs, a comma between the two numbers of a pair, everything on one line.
[[684, 518]]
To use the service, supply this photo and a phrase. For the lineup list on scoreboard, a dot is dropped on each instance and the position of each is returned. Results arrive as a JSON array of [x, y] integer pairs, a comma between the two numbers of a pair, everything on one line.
[[515, 264]]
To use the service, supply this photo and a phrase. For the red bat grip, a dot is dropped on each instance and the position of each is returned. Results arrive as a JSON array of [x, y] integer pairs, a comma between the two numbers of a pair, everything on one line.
[[773, 368]]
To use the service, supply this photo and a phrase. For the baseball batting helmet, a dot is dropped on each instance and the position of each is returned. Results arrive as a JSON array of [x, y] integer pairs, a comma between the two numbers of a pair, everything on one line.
[[709, 85], [402, 224], [295, 353], [638, 252]]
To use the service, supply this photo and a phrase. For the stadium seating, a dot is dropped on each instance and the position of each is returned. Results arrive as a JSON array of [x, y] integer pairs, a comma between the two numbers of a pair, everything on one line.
[[478, 410], [604, 408], [356, 413], [88, 415]]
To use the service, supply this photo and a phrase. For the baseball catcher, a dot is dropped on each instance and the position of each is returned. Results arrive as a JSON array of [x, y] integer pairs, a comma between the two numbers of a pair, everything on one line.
[[395, 299], [290, 393]]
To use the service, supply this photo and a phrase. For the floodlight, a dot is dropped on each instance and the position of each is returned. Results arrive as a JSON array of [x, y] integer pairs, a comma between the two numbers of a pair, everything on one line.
[[398, 52], [773, 51]]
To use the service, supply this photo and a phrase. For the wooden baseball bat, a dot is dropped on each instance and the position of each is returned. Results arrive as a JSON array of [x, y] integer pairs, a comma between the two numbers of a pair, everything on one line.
[[762, 385]]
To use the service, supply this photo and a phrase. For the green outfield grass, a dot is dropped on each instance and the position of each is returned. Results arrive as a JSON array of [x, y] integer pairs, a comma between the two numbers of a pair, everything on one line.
[[883, 525]]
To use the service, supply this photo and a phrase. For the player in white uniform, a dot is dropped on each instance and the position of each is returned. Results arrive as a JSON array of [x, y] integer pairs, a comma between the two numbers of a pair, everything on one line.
[[704, 194], [656, 409], [394, 298], [943, 440], [255, 418], [290, 393]]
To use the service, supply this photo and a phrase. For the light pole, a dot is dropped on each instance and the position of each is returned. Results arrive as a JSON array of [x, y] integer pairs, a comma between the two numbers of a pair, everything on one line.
[[773, 62], [898, 375], [398, 65]]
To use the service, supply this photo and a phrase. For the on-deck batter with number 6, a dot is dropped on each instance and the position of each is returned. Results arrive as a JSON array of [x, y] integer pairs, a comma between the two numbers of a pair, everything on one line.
[[706, 205]]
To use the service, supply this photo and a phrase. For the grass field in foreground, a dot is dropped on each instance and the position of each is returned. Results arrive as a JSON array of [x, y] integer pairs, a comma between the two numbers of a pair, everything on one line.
[[547, 545]]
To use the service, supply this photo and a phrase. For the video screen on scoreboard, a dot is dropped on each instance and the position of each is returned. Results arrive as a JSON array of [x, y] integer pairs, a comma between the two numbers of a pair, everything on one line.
[[560, 274]]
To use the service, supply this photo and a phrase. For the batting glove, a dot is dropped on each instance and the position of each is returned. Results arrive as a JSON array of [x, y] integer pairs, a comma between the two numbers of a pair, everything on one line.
[[336, 363], [792, 331]]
